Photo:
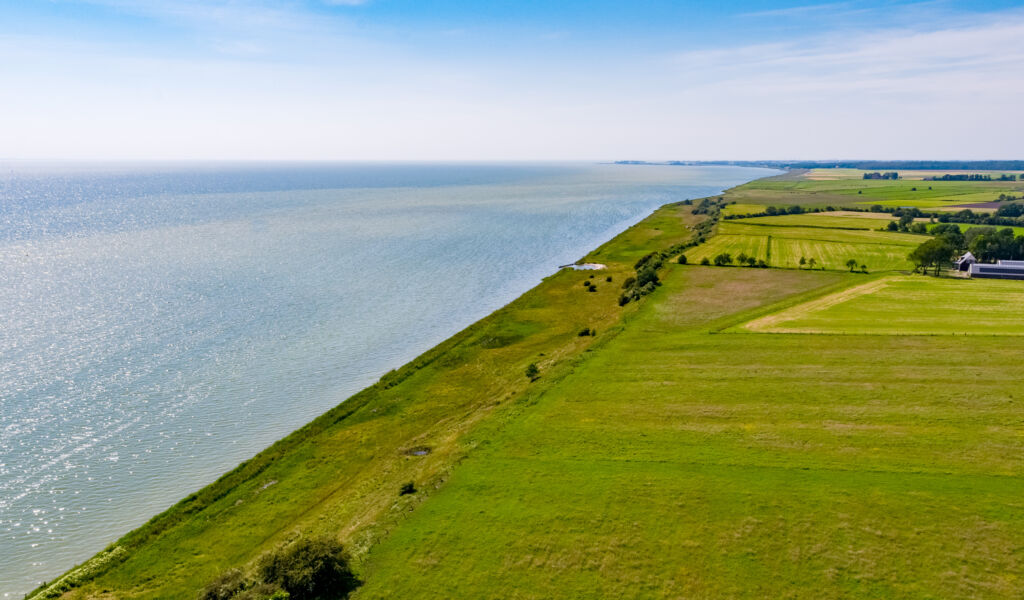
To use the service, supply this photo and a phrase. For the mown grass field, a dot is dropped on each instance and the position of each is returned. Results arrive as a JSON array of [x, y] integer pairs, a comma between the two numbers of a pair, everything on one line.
[[827, 220], [676, 462], [743, 209], [908, 305], [783, 246], [845, 187]]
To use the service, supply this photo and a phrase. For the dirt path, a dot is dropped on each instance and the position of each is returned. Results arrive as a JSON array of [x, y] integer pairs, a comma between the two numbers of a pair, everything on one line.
[[768, 323]]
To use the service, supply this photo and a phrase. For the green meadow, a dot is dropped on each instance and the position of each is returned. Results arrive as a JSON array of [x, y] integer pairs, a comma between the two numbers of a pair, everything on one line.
[[940, 307], [679, 462], [737, 433], [848, 188], [784, 245]]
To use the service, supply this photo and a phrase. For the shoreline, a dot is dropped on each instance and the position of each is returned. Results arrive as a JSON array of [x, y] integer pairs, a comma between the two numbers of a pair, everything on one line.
[[340, 412]]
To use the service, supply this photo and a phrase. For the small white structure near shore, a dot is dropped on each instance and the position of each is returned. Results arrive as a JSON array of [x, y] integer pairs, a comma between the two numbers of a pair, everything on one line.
[[585, 267]]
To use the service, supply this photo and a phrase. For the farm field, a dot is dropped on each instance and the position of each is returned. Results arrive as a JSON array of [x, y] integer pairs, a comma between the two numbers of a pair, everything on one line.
[[823, 188], [674, 462], [751, 245], [965, 226], [786, 253], [743, 209], [939, 306], [783, 246], [828, 220]]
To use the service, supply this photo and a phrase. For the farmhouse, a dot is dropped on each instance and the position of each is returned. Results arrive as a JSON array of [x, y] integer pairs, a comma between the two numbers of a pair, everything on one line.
[[1004, 269], [964, 262]]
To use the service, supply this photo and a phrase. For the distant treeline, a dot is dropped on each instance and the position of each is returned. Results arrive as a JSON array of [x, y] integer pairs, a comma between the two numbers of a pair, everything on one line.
[[886, 175], [867, 165], [971, 177]]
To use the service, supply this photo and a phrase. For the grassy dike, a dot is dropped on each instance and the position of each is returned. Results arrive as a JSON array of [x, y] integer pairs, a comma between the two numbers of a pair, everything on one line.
[[341, 473]]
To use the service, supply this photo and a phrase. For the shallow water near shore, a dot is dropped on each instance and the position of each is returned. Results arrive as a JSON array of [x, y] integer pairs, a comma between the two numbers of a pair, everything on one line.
[[163, 323]]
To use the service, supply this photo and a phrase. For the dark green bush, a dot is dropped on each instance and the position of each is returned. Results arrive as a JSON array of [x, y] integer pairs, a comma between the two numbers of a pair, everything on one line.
[[309, 569], [682, 259], [628, 283], [407, 488]]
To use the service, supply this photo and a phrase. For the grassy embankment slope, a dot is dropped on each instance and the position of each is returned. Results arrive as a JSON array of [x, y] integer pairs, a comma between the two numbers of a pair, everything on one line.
[[689, 450], [341, 473]]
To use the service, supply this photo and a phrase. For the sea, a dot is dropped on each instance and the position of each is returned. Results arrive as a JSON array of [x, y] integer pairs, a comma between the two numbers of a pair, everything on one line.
[[160, 323]]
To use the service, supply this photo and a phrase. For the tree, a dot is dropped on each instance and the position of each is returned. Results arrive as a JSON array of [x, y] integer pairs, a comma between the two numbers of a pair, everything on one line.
[[309, 569], [532, 371], [704, 261], [852, 264], [751, 261], [723, 259], [810, 263], [864, 268], [803, 261], [935, 252], [682, 259], [741, 258]]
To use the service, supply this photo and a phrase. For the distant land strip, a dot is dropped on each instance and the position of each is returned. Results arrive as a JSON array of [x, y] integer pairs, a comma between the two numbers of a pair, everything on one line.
[[958, 165]]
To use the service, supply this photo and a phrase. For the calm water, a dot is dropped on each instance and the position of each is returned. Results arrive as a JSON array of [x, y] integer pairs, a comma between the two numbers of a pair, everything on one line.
[[160, 324]]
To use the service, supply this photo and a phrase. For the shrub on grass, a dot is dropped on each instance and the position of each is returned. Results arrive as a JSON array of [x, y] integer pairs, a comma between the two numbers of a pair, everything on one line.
[[704, 261], [584, 332], [608, 279], [628, 283], [407, 488], [682, 259], [623, 300], [309, 569], [532, 371]]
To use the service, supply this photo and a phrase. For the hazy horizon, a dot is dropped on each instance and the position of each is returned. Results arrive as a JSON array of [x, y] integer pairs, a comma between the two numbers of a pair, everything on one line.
[[455, 81]]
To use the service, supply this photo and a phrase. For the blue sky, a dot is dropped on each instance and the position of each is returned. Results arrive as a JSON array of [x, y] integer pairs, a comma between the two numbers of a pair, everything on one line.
[[509, 80]]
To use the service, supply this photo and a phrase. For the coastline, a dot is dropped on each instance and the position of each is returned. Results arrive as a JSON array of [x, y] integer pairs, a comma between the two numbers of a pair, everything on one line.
[[491, 333]]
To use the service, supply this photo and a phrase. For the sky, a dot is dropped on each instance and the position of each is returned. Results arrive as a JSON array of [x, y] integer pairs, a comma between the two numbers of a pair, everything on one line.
[[524, 80]]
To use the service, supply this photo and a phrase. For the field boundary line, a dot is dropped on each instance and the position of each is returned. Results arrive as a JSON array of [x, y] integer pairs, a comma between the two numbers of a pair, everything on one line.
[[768, 322]]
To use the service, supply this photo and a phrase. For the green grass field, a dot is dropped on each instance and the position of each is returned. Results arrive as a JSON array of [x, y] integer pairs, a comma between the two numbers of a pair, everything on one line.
[[830, 248], [738, 433], [751, 245], [679, 463], [845, 187], [940, 306], [827, 220], [743, 209]]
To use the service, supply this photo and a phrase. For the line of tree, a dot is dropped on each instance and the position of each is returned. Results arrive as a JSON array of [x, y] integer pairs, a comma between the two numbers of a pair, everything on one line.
[[886, 175], [972, 177]]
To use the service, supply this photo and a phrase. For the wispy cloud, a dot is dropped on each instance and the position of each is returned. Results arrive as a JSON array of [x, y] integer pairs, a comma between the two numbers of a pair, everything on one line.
[[806, 10]]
